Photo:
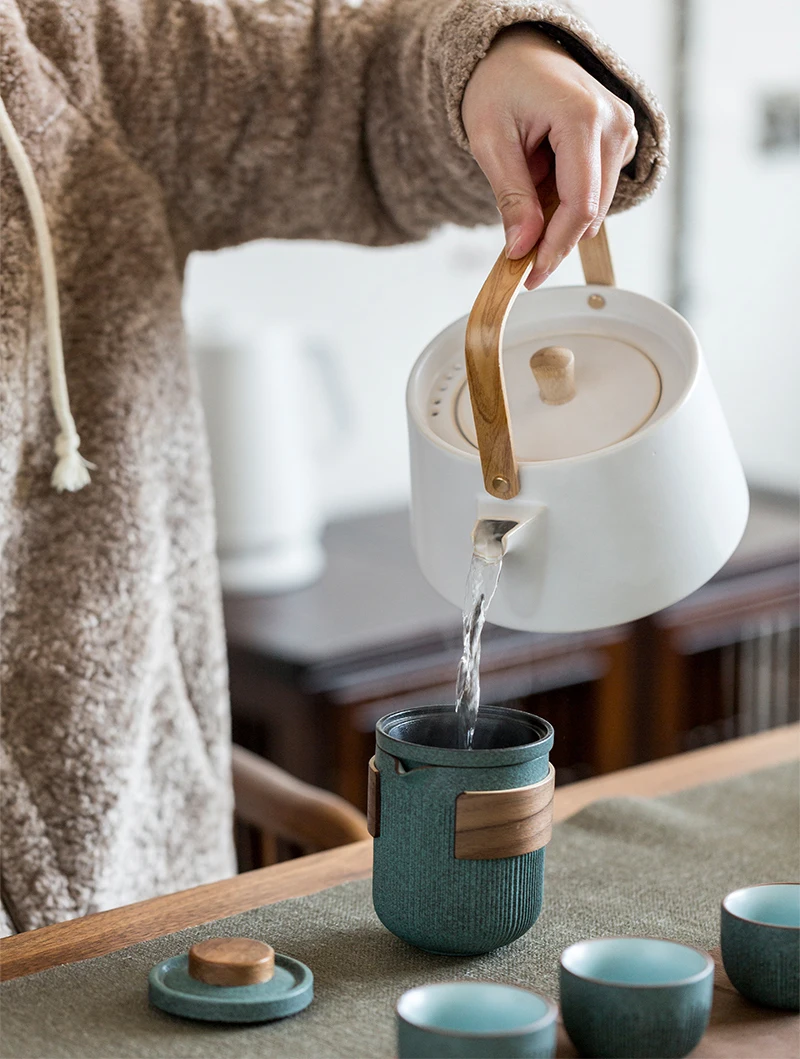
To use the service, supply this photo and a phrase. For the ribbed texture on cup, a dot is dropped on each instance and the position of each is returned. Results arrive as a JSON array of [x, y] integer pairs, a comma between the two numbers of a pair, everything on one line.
[[417, 1041], [605, 1020], [762, 961], [482, 906], [641, 1035]]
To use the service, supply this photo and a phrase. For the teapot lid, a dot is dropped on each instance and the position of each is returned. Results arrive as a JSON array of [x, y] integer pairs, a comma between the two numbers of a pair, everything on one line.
[[635, 361], [617, 387]]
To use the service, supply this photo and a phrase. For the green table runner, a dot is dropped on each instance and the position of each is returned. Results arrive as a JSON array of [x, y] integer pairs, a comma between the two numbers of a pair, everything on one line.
[[622, 866]]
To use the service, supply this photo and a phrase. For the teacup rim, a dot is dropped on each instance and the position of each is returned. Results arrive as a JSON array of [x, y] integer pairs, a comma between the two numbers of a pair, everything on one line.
[[550, 1015], [462, 757], [748, 919], [698, 976]]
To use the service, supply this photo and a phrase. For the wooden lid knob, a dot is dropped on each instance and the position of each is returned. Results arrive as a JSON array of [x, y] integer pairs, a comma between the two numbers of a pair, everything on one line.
[[554, 369], [231, 961]]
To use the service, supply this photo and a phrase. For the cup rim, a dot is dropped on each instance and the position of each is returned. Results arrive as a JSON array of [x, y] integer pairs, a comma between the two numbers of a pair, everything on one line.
[[749, 919], [550, 1015], [460, 757], [698, 976]]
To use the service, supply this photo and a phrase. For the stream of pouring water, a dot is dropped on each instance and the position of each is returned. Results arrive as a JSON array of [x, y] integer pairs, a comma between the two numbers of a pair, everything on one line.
[[482, 579]]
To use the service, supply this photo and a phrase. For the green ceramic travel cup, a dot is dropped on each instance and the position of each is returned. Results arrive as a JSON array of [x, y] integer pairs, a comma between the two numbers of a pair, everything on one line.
[[475, 1020], [460, 834], [635, 998], [760, 934]]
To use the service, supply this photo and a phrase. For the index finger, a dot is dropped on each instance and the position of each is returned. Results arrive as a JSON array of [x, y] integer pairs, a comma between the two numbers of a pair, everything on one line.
[[578, 180]]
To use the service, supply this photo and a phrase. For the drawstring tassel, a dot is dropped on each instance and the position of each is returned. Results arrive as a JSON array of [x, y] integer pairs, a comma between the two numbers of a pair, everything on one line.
[[71, 470]]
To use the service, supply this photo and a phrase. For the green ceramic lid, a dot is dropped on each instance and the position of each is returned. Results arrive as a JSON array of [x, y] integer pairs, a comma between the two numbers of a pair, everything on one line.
[[172, 989]]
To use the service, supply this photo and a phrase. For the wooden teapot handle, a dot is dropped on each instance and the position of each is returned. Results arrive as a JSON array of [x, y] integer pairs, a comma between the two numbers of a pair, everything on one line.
[[483, 348]]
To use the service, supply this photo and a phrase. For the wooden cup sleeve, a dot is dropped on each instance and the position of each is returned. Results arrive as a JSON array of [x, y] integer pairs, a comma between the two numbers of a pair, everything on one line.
[[494, 824], [374, 800]]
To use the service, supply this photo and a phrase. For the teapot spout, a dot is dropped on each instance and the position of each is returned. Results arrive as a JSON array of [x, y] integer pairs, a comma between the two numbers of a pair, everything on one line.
[[490, 537]]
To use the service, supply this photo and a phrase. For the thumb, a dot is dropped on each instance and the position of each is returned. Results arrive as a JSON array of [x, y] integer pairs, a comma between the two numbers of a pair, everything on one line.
[[506, 169]]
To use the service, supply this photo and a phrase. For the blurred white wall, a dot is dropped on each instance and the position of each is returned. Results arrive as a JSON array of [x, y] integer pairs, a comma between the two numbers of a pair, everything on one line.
[[743, 226], [377, 309]]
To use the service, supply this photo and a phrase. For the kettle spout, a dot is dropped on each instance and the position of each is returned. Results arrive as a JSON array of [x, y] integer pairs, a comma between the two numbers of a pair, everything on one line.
[[490, 537]]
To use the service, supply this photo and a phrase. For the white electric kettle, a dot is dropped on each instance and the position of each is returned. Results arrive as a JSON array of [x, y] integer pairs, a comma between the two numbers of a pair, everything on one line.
[[588, 428]]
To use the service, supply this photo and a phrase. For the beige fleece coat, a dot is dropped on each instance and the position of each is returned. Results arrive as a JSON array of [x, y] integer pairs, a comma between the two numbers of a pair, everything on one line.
[[158, 127]]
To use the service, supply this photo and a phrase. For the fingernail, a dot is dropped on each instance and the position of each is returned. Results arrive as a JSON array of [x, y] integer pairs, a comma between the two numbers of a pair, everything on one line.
[[513, 239]]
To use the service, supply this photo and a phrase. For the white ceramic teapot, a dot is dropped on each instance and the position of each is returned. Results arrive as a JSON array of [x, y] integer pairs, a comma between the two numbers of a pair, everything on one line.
[[609, 465]]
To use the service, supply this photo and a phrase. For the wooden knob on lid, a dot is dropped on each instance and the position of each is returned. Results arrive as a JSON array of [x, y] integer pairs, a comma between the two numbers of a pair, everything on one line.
[[554, 370], [231, 961]]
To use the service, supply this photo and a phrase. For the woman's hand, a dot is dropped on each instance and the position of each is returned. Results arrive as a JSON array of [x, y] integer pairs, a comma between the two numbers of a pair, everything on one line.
[[526, 101]]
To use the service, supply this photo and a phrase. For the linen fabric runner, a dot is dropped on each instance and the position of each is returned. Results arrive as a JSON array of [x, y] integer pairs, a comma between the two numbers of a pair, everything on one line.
[[622, 866]]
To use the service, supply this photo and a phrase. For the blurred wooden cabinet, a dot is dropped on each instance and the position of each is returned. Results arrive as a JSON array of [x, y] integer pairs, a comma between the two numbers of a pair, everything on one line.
[[726, 661], [312, 671]]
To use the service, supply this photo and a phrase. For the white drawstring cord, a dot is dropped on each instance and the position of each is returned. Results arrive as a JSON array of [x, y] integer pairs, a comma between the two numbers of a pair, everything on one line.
[[71, 470]]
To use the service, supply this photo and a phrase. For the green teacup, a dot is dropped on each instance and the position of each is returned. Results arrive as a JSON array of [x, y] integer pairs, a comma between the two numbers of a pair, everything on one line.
[[760, 934], [460, 834], [475, 1020], [631, 998]]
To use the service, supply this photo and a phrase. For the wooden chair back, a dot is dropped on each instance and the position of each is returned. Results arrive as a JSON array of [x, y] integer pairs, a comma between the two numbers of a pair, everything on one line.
[[279, 816]]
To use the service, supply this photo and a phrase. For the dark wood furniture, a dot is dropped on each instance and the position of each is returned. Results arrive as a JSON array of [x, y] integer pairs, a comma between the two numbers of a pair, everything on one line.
[[726, 661], [311, 671]]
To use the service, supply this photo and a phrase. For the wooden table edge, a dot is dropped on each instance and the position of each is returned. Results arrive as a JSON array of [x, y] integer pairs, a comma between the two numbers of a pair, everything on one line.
[[106, 932]]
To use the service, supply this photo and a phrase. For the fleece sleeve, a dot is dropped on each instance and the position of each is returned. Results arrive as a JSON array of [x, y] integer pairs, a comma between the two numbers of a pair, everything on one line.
[[325, 119]]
